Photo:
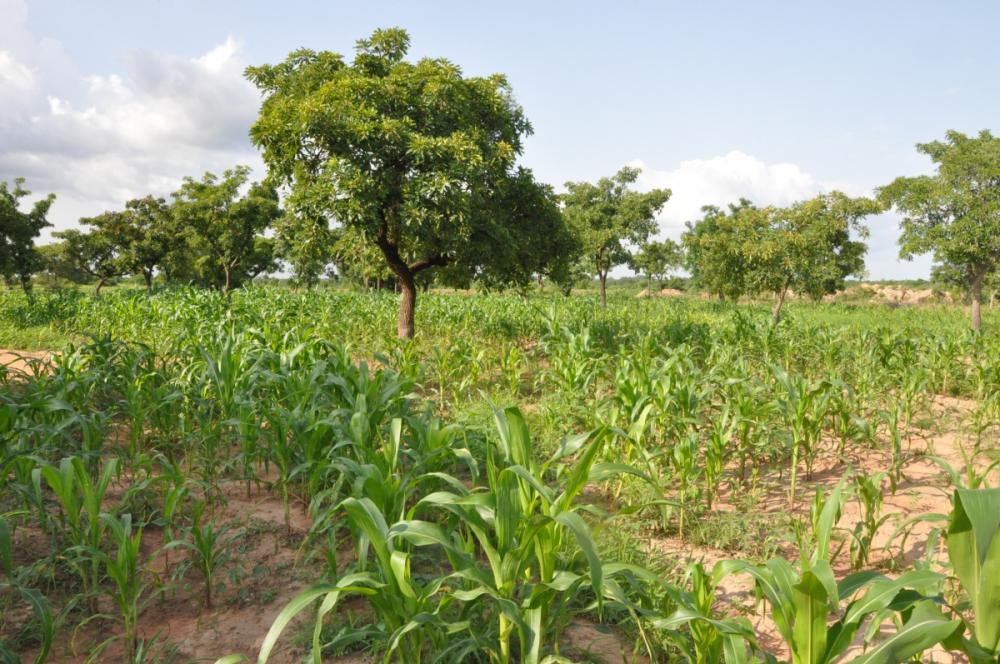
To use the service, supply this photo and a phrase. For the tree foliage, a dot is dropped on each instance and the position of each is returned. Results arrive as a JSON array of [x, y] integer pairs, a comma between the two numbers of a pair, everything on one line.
[[607, 216], [97, 254], [413, 157], [954, 214], [306, 243], [713, 247], [223, 228], [656, 259], [135, 240], [147, 236], [810, 247], [19, 258]]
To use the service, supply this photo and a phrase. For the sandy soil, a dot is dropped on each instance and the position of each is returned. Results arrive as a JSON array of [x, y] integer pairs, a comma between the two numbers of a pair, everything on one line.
[[263, 574], [23, 361], [925, 489]]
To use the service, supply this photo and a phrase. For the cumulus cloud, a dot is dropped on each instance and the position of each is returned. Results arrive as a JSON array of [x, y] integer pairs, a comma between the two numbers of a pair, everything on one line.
[[98, 140], [14, 76], [722, 180]]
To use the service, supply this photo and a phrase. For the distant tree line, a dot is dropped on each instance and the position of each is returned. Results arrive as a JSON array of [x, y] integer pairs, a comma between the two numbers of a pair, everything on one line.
[[404, 174]]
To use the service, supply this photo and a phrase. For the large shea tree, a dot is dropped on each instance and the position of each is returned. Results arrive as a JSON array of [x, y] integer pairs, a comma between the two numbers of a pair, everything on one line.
[[954, 214], [412, 157]]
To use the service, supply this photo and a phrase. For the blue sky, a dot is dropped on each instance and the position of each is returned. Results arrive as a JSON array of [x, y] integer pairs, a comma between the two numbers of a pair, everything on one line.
[[772, 100]]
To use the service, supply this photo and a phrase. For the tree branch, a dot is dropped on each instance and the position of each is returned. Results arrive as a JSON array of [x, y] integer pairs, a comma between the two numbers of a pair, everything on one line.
[[434, 261]]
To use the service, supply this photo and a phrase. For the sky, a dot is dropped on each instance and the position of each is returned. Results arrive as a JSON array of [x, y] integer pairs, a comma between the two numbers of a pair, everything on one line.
[[102, 101]]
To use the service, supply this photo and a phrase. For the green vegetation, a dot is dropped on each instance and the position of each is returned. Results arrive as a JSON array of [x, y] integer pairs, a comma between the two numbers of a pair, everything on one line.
[[525, 467], [477, 533], [955, 213]]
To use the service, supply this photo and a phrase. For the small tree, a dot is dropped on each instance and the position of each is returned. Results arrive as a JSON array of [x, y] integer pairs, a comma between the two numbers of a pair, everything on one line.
[[810, 247], [714, 248], [59, 266], [223, 229], [147, 236], [954, 214], [607, 216], [19, 258], [306, 243], [410, 157], [656, 259], [97, 254]]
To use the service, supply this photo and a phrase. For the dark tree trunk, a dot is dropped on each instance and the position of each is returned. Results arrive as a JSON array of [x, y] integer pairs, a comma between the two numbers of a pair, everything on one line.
[[228, 282], [148, 276], [405, 279], [407, 306], [603, 276], [378, 283], [776, 312], [100, 285], [977, 302], [540, 282]]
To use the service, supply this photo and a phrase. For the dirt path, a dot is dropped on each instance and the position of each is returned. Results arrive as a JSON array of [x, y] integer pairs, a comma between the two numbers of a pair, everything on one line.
[[22, 361]]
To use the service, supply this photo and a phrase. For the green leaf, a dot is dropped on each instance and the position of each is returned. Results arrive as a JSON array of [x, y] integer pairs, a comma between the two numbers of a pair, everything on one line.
[[351, 583], [810, 600], [573, 521], [974, 551], [43, 614], [925, 628]]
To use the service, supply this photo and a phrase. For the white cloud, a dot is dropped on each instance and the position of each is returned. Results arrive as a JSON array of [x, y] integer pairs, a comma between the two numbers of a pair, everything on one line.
[[15, 77], [98, 140], [722, 180]]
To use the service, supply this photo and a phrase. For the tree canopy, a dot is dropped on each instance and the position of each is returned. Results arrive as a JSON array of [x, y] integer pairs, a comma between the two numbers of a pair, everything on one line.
[[147, 236], [656, 259], [413, 156], [19, 258], [135, 240], [98, 253], [713, 245], [810, 247], [223, 227], [954, 214], [607, 216]]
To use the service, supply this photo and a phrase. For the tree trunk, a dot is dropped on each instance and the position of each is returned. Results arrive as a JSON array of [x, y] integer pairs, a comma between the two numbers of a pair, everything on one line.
[[540, 282], [407, 306], [603, 276], [977, 302], [226, 284], [378, 283], [776, 312], [148, 276], [100, 285], [405, 274]]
